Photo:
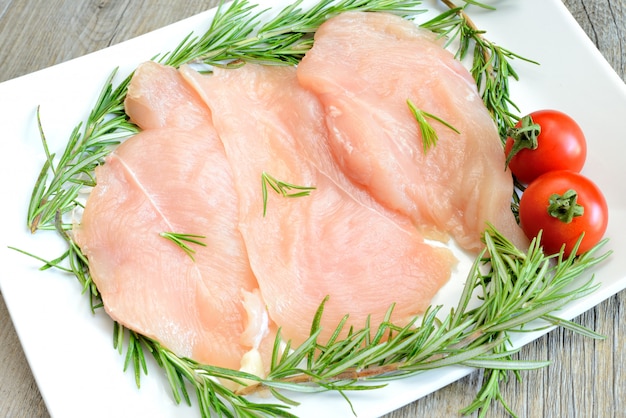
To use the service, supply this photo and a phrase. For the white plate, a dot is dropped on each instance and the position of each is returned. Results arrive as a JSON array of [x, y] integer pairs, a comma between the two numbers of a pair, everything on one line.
[[70, 350]]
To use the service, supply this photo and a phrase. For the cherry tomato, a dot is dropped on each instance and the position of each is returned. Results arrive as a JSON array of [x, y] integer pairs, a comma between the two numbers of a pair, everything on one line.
[[560, 145], [549, 196]]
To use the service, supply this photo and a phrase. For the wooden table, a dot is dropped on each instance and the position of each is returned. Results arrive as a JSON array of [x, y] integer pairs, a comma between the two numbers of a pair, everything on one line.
[[587, 378]]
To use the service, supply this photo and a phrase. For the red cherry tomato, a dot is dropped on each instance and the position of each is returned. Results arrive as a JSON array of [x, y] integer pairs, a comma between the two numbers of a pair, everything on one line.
[[535, 207], [560, 145]]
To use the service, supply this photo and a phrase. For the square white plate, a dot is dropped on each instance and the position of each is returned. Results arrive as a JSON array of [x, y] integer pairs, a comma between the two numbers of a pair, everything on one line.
[[70, 350]]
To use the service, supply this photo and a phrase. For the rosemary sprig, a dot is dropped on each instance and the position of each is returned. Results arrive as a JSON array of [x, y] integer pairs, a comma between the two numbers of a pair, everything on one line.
[[236, 34], [429, 134], [183, 241], [60, 182], [282, 188]]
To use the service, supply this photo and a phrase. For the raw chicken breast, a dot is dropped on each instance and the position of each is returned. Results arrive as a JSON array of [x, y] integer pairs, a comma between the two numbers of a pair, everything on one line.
[[364, 67], [333, 242], [173, 177]]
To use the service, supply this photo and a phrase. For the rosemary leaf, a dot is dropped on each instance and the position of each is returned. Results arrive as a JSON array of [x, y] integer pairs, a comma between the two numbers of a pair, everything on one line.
[[282, 188], [572, 326], [182, 241], [428, 133]]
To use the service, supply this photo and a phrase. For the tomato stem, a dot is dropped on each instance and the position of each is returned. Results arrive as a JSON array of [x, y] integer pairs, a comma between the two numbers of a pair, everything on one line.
[[523, 136], [564, 207]]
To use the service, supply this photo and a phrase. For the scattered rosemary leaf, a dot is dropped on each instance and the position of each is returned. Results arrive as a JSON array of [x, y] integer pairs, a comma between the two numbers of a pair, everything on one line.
[[282, 188], [429, 134], [182, 240]]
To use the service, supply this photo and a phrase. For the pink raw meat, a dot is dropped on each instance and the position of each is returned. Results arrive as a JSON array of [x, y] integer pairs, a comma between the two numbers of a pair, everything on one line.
[[364, 67]]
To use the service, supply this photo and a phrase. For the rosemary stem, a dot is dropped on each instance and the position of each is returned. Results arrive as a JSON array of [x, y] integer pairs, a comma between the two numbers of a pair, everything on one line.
[[474, 29]]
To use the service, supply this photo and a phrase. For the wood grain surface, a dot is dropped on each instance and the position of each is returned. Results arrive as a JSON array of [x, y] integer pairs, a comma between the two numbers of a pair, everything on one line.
[[587, 377]]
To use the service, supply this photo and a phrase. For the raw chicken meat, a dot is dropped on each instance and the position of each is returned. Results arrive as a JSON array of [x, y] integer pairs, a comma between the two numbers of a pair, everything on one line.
[[364, 67], [173, 177], [334, 242], [340, 125]]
